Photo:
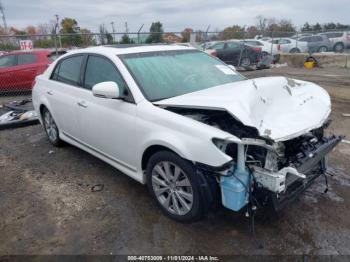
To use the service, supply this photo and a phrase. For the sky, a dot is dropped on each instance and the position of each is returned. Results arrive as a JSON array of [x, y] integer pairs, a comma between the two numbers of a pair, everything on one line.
[[174, 14]]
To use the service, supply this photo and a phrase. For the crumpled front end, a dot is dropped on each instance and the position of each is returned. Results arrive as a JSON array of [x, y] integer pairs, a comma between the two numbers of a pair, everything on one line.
[[277, 144], [279, 171]]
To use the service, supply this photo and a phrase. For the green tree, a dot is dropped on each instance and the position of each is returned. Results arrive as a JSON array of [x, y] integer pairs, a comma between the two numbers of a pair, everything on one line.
[[317, 27], [87, 37], [306, 27], [126, 40], [156, 33], [70, 32], [232, 32]]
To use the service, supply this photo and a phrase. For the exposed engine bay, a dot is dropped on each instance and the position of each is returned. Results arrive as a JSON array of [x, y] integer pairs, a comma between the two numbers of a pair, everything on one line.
[[279, 169]]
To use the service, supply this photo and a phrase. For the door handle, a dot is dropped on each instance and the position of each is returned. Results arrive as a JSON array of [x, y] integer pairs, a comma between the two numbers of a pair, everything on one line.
[[50, 93], [82, 104]]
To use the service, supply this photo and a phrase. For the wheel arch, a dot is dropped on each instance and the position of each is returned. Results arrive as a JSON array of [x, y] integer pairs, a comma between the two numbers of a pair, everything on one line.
[[151, 150]]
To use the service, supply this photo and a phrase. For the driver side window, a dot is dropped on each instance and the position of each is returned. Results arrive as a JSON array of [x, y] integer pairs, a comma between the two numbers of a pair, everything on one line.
[[99, 69]]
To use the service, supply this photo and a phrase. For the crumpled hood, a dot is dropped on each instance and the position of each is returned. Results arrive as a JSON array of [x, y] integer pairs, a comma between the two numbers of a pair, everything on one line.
[[279, 108]]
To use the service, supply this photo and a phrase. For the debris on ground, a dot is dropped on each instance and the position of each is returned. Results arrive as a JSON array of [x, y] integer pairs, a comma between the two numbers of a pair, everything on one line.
[[97, 188], [19, 114], [278, 65], [51, 152], [345, 114]]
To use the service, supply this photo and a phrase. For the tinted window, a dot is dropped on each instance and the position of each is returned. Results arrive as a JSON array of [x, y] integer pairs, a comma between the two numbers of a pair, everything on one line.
[[26, 59], [305, 39], [69, 70], [218, 46], [334, 35], [317, 38], [6, 61], [284, 41], [233, 45], [99, 70], [255, 43]]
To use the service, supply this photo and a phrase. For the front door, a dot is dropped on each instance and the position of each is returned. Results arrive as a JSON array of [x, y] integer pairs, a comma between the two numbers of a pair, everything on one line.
[[108, 124]]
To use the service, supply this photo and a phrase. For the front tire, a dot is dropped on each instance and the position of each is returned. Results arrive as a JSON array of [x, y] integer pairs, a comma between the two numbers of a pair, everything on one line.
[[174, 185], [51, 128]]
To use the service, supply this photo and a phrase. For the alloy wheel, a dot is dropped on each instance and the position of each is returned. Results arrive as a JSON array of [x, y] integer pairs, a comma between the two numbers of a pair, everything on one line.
[[172, 188], [50, 127]]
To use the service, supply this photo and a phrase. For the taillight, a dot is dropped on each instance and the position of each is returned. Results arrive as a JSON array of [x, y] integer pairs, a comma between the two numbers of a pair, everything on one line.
[[258, 49], [214, 53]]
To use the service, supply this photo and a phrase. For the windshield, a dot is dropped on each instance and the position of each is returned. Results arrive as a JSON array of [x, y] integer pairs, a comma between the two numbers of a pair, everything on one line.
[[166, 74]]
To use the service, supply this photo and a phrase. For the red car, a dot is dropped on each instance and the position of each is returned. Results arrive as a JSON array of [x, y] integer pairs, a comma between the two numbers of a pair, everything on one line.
[[19, 69]]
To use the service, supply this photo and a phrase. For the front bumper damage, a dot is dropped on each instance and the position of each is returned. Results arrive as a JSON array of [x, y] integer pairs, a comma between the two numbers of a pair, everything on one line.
[[289, 182], [270, 187]]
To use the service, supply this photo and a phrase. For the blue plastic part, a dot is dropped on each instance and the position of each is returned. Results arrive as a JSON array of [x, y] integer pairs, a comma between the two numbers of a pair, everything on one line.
[[234, 187]]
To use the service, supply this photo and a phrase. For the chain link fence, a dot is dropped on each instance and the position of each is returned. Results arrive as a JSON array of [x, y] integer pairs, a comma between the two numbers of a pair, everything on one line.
[[19, 67]]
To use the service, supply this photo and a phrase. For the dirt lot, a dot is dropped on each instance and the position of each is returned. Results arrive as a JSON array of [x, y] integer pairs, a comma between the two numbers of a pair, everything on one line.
[[47, 205]]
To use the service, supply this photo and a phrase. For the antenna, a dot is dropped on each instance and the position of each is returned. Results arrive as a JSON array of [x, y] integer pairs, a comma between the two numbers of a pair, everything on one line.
[[3, 16]]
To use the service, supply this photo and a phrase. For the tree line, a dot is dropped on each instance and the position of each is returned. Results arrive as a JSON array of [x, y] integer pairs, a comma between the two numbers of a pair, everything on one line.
[[70, 34]]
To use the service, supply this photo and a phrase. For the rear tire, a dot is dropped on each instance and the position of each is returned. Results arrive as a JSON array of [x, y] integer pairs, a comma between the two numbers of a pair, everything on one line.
[[339, 48], [245, 62], [323, 49], [294, 51], [175, 186], [51, 128]]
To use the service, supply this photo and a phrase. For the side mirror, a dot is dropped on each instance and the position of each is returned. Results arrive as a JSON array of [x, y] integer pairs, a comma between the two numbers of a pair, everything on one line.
[[107, 89], [232, 67]]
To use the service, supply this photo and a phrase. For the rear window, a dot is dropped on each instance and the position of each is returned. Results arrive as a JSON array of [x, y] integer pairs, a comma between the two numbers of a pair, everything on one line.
[[24, 59], [53, 56], [334, 35], [68, 71], [7, 60]]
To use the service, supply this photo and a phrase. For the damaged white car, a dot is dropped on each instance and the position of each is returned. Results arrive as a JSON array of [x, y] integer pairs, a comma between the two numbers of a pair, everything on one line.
[[190, 127]]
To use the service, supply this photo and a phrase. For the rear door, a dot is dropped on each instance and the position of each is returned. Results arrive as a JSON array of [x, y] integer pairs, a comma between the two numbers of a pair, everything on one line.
[[26, 69], [64, 91], [8, 80], [231, 53]]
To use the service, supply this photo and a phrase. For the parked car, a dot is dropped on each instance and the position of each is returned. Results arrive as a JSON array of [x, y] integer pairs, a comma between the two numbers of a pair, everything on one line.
[[339, 40], [18, 69], [187, 125], [235, 53], [3, 53], [289, 45], [266, 47], [317, 43]]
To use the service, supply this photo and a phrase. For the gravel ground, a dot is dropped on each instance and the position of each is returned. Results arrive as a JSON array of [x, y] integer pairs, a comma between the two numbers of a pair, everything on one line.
[[47, 205]]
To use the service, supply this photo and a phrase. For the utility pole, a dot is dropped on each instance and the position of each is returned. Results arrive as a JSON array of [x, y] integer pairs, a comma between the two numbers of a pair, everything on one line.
[[138, 34], [112, 23], [126, 27], [3, 16], [58, 30]]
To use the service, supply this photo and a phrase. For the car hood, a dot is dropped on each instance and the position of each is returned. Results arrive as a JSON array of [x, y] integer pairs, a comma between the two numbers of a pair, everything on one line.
[[279, 108]]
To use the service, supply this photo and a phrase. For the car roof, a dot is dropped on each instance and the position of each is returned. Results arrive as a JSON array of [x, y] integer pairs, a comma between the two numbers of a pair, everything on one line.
[[31, 52], [130, 49]]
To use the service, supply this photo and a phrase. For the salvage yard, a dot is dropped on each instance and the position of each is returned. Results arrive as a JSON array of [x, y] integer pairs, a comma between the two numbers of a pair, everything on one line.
[[65, 201]]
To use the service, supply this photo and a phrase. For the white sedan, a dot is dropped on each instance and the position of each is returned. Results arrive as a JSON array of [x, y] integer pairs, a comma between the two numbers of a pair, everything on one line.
[[190, 127]]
